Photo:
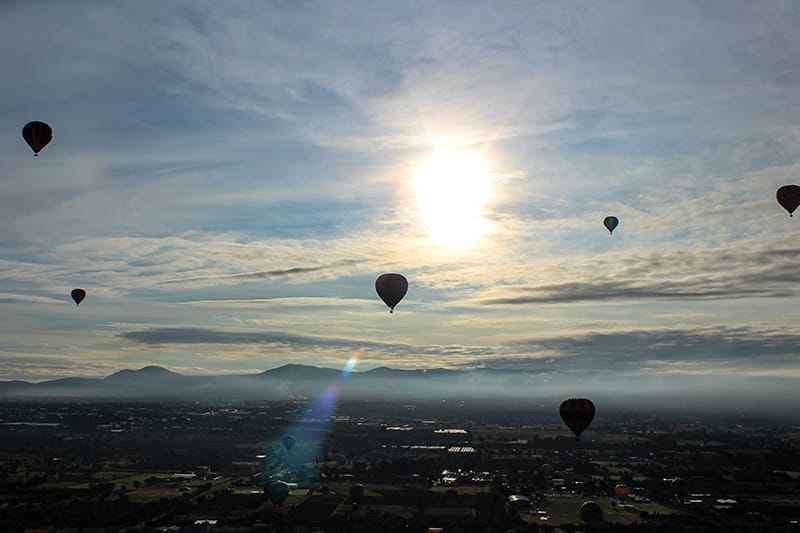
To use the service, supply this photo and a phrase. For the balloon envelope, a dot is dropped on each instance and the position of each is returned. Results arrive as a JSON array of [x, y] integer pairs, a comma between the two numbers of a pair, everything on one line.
[[277, 492], [391, 288], [577, 414], [591, 512], [78, 295], [37, 135], [611, 223], [622, 490], [288, 442], [789, 197]]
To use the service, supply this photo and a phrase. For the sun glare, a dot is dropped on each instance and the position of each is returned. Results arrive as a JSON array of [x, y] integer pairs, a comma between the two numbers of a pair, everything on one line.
[[452, 191]]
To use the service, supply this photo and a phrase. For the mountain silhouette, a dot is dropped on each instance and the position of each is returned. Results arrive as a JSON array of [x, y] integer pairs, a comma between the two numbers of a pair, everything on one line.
[[287, 381]]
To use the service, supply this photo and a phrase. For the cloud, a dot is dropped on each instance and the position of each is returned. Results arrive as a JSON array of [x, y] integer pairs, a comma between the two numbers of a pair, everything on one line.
[[30, 367], [209, 336], [247, 276], [311, 302], [728, 273], [28, 298], [720, 350], [187, 335], [716, 349], [205, 155]]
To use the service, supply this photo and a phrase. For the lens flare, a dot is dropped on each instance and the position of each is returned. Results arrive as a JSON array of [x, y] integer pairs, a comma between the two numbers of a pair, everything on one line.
[[310, 430], [348, 367]]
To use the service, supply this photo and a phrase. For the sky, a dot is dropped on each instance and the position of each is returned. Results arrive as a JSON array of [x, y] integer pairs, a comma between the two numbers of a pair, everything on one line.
[[227, 181]]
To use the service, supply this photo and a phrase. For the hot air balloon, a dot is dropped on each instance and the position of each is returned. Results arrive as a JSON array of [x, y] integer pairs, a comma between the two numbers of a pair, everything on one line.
[[611, 223], [546, 470], [622, 490], [356, 492], [577, 414], [391, 288], [277, 492], [78, 295], [288, 442], [679, 488], [37, 135], [591, 512], [789, 197]]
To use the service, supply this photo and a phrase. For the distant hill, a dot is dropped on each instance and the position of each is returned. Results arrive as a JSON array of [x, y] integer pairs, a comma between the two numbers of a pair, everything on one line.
[[148, 372], [539, 388], [288, 381], [300, 372]]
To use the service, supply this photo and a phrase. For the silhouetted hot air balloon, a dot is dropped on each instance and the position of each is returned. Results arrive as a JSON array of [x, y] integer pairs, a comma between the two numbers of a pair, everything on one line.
[[611, 223], [591, 512], [622, 490], [37, 135], [546, 470], [277, 492], [391, 288], [577, 414], [78, 295], [288, 442], [789, 197]]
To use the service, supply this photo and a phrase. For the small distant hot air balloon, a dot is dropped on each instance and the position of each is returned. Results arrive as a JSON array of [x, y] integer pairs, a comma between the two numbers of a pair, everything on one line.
[[37, 135], [622, 490], [546, 470], [789, 197], [611, 223], [577, 414], [591, 512], [277, 492], [391, 288], [78, 295], [288, 442]]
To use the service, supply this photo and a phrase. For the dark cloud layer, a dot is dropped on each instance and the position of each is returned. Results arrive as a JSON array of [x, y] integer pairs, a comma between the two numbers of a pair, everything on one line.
[[707, 275], [162, 336], [718, 348]]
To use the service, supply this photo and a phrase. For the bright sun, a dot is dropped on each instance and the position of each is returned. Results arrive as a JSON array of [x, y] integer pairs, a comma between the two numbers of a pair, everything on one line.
[[452, 191]]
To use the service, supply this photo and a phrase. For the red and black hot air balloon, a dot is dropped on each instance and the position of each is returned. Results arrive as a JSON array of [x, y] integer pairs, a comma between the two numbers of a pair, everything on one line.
[[391, 288], [577, 414], [621, 490]]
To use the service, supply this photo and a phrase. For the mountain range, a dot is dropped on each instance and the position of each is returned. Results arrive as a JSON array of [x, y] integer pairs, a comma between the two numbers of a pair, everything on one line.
[[650, 393], [285, 382]]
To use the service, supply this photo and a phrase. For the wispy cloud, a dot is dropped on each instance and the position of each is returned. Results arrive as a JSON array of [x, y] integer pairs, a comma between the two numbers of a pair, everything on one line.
[[718, 349], [28, 298], [729, 273], [161, 336], [247, 276]]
